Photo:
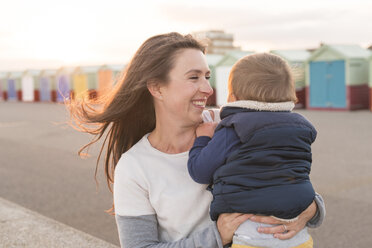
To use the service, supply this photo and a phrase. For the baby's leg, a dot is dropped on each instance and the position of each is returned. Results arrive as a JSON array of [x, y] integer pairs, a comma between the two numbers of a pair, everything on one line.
[[247, 236]]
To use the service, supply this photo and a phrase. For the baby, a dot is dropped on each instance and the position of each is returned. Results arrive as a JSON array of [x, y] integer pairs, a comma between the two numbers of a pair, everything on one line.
[[258, 160]]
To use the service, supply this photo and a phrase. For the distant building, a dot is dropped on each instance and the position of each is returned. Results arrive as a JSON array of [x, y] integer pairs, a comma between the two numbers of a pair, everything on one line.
[[218, 41]]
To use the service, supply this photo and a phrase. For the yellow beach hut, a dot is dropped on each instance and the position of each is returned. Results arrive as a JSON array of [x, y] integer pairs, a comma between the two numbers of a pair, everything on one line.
[[85, 82]]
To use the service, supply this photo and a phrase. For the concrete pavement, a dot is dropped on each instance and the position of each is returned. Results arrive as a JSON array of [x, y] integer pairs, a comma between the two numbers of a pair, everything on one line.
[[20, 227], [39, 170]]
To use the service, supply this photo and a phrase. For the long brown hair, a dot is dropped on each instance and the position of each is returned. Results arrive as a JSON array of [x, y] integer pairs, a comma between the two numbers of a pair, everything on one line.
[[127, 113]]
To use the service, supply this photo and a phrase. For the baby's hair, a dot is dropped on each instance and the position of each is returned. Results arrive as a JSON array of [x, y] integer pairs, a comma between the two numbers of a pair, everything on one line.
[[262, 77]]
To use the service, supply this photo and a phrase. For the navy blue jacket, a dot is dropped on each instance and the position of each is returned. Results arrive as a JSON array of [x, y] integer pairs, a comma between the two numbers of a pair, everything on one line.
[[258, 161]]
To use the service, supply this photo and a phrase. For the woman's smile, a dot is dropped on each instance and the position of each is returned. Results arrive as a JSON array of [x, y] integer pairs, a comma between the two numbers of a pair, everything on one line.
[[200, 103]]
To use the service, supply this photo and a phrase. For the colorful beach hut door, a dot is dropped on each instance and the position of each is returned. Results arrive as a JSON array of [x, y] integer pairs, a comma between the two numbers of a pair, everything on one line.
[[45, 89], [12, 92], [63, 89], [327, 84]]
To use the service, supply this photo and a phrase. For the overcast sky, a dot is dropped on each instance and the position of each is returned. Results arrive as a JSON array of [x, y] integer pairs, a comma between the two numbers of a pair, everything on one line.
[[48, 34]]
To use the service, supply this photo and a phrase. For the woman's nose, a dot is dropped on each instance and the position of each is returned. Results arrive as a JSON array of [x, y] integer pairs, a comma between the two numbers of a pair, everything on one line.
[[206, 88]]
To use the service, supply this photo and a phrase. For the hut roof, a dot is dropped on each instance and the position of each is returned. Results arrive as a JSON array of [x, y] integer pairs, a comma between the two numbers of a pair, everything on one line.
[[346, 51], [3, 74], [213, 59], [65, 70], [233, 56], [239, 54], [115, 67], [31, 72], [15, 74], [87, 69], [48, 73], [293, 55]]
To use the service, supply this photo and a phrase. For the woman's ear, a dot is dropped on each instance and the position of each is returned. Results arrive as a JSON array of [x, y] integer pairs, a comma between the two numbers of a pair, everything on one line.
[[155, 90]]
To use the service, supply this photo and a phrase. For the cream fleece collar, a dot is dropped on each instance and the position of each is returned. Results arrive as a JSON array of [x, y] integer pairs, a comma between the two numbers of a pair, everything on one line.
[[262, 106]]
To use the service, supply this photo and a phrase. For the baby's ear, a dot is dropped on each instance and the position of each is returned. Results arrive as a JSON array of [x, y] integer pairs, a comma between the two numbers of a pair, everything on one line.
[[231, 97], [154, 88]]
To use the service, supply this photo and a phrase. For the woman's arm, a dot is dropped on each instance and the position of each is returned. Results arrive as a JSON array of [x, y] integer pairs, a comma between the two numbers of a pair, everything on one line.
[[313, 216], [142, 231]]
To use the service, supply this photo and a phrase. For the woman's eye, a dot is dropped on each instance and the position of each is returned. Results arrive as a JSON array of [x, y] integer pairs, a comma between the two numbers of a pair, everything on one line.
[[208, 77], [194, 78]]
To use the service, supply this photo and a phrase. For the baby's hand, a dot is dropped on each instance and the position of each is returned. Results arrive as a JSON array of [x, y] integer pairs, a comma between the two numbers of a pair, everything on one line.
[[206, 129]]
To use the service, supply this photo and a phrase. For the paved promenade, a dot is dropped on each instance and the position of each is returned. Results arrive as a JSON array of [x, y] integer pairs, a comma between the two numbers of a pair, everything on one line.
[[20, 227], [40, 171]]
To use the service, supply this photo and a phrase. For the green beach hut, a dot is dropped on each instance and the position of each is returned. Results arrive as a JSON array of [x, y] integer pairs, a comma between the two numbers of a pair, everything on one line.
[[223, 68], [337, 78], [296, 60], [370, 83], [213, 60]]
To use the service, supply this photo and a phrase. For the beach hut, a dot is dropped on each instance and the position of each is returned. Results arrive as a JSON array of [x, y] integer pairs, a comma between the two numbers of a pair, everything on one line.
[[85, 81], [47, 79], [296, 60], [61, 89], [223, 68], [370, 83], [14, 89], [3, 92], [107, 76], [30, 86], [213, 60], [337, 78]]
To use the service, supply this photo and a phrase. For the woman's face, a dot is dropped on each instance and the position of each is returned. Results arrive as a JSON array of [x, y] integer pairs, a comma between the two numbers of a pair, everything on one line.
[[186, 93]]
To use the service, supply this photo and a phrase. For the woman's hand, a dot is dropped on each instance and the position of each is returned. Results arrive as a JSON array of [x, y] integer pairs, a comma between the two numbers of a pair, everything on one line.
[[285, 230], [228, 223]]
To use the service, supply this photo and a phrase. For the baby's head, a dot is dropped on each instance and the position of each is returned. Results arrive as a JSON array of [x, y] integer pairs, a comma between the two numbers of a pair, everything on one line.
[[261, 77]]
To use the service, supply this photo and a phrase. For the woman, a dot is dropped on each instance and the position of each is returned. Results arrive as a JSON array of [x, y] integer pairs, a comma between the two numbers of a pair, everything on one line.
[[150, 121]]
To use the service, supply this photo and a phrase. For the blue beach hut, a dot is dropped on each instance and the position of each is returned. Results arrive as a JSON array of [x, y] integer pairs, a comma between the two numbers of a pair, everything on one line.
[[47, 77], [14, 86], [62, 89], [337, 78], [296, 60]]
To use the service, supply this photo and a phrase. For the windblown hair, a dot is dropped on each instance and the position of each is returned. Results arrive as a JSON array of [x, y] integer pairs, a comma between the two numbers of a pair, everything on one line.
[[262, 77], [127, 113]]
